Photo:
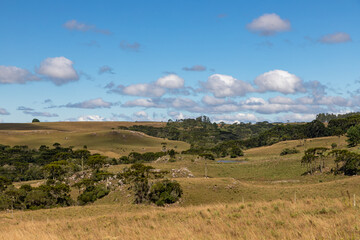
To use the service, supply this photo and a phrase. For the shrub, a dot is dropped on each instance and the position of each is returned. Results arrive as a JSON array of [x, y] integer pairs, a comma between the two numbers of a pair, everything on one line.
[[207, 156], [165, 192], [92, 193], [287, 151]]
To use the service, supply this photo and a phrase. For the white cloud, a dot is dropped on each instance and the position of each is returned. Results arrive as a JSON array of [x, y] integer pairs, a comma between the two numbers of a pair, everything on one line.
[[58, 69], [227, 86], [333, 100], [90, 104], [176, 115], [12, 74], [239, 117], [305, 100], [338, 37], [281, 100], [296, 117], [254, 101], [96, 118], [279, 81], [82, 27], [183, 103], [144, 90], [140, 103], [141, 115], [4, 112], [170, 81], [269, 24], [210, 100], [225, 108]]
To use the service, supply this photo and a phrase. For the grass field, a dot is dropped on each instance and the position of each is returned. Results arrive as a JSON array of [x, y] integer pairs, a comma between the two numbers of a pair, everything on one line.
[[100, 137], [262, 196]]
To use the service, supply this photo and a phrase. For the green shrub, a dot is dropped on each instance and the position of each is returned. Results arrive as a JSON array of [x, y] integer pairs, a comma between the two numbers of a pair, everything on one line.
[[165, 192], [287, 151], [92, 193]]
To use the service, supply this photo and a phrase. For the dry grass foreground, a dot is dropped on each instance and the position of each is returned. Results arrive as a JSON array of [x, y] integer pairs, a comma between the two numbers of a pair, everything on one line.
[[305, 219]]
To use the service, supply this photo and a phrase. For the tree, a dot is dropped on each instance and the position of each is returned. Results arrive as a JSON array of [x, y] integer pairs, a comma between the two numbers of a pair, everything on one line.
[[172, 153], [353, 134], [35, 120], [4, 182], [96, 162]]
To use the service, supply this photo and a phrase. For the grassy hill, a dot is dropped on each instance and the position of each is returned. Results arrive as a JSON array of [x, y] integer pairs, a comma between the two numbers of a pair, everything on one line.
[[261, 195], [101, 137]]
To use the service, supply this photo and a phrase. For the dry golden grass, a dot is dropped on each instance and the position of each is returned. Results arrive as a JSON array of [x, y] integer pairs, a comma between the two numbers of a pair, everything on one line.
[[100, 137], [210, 208], [305, 219]]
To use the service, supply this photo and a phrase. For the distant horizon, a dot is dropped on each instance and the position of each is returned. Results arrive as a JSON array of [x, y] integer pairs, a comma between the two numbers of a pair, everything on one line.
[[133, 61]]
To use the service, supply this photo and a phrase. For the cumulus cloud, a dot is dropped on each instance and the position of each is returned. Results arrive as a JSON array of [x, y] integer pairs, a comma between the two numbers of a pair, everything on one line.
[[83, 27], [170, 81], [269, 24], [254, 101], [239, 117], [140, 103], [142, 89], [12, 74], [59, 70], [130, 46], [279, 81], [105, 69], [4, 112], [226, 86], [195, 68], [141, 115], [339, 37], [183, 103], [281, 100], [210, 100], [176, 115], [88, 118], [90, 104], [296, 117], [40, 114]]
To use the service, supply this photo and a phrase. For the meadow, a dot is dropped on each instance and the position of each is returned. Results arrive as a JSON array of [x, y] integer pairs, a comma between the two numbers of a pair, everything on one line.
[[261, 195]]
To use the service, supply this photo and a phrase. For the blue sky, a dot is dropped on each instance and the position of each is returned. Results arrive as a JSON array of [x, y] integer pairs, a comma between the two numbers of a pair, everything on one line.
[[156, 60]]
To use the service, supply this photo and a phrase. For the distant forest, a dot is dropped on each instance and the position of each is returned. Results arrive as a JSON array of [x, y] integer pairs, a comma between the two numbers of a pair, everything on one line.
[[226, 139]]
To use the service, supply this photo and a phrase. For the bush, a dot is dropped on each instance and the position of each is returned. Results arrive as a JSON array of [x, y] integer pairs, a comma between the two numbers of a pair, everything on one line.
[[92, 193], [287, 151], [165, 192], [207, 156]]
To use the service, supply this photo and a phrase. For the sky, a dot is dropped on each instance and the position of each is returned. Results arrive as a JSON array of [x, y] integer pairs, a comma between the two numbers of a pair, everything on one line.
[[234, 61]]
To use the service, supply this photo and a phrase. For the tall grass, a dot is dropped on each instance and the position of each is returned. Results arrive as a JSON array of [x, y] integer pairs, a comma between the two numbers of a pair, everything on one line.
[[305, 219]]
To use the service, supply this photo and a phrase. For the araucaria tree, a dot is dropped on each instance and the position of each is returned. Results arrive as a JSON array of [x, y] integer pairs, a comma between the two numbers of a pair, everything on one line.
[[353, 134]]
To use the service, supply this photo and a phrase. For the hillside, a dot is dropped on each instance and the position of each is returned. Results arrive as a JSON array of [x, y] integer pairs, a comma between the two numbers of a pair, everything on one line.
[[262, 194], [101, 137], [259, 194]]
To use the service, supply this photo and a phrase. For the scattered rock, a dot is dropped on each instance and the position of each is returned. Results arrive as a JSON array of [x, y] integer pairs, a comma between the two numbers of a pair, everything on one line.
[[181, 173]]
